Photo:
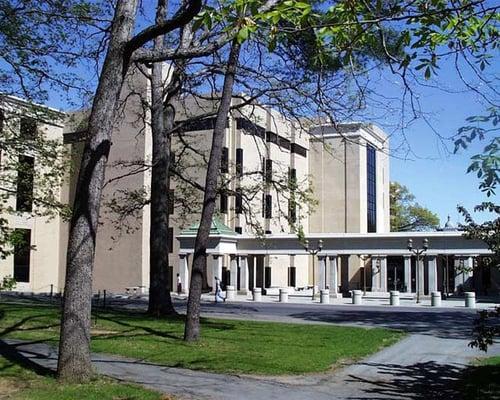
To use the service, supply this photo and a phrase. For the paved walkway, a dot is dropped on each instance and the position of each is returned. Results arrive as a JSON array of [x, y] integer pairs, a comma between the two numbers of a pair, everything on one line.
[[418, 367]]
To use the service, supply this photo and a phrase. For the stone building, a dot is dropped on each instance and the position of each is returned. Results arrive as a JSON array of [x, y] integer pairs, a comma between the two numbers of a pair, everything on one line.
[[270, 167]]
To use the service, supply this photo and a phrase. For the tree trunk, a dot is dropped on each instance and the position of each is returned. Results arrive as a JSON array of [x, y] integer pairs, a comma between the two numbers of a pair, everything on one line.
[[192, 327], [160, 302], [74, 347]]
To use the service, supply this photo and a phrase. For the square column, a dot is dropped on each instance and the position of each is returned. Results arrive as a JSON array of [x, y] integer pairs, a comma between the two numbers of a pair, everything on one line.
[[321, 272], [420, 276], [375, 274], [216, 269], [184, 272], [383, 274], [233, 265], [334, 276], [243, 262], [407, 273], [432, 270]]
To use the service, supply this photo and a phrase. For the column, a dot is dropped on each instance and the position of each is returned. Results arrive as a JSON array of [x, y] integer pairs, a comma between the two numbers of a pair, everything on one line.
[[334, 276], [254, 274], [233, 265], [243, 262], [432, 270], [321, 272], [216, 269], [459, 274], [407, 273], [468, 273], [375, 274], [420, 276], [383, 274], [184, 272]]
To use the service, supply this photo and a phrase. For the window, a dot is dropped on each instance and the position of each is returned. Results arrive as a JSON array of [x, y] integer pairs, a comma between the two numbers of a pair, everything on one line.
[[22, 250], [298, 149], [269, 171], [371, 167], [170, 239], [238, 201], [239, 162], [25, 172], [292, 178], [292, 273], [223, 203], [224, 162], [292, 210], [238, 229], [269, 206], [271, 137], [28, 128], [171, 201]]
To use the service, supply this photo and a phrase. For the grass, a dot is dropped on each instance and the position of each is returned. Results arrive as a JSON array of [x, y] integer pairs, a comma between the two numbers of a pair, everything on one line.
[[482, 380], [18, 383], [227, 345]]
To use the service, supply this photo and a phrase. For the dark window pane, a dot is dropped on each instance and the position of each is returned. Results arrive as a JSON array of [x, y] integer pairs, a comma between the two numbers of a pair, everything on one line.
[[239, 162], [22, 250], [224, 164], [298, 149], [170, 240], [238, 229], [223, 203], [238, 203], [171, 201], [292, 210], [24, 200], [371, 169], [28, 128], [269, 170], [269, 206]]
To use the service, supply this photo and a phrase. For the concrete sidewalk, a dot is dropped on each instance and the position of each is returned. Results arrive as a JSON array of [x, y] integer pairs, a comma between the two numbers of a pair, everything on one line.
[[418, 367]]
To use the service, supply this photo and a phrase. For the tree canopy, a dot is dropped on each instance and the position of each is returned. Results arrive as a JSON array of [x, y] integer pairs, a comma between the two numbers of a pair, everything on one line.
[[407, 214]]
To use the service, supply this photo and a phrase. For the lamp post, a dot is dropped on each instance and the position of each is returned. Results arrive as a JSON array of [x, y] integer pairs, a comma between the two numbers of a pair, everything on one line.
[[418, 252], [313, 253]]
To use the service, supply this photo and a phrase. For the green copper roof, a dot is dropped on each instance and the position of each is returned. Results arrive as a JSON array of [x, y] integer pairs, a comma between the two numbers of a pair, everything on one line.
[[218, 228]]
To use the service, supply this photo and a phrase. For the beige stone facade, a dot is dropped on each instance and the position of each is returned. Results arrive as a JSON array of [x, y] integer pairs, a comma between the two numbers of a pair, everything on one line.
[[347, 167]]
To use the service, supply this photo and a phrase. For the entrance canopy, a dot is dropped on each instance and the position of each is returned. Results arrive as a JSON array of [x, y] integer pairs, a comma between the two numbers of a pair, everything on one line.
[[223, 240]]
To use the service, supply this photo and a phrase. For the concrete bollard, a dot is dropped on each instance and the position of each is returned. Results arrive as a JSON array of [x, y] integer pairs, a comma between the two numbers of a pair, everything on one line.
[[436, 299], [230, 293], [357, 297], [394, 298], [283, 295], [325, 296], [470, 299], [257, 294]]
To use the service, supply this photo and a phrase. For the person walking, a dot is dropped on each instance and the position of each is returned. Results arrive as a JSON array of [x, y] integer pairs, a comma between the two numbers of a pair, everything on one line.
[[218, 291], [179, 284]]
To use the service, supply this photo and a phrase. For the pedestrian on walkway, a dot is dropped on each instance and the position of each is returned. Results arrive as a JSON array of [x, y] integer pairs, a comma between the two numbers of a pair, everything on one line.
[[218, 291], [179, 284]]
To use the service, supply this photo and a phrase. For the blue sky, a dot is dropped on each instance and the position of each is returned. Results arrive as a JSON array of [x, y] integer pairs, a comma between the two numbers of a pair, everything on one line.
[[432, 173]]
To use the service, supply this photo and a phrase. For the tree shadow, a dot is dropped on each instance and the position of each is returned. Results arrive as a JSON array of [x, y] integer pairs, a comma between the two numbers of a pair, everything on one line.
[[442, 323], [421, 381], [9, 352]]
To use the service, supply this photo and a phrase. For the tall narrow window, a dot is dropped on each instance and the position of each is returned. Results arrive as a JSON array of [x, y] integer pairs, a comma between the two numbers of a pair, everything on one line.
[[28, 128], [292, 178], [238, 201], [25, 172], [269, 206], [292, 210], [224, 163], [239, 162], [171, 203], [269, 170], [371, 173], [170, 240], [22, 250], [223, 203]]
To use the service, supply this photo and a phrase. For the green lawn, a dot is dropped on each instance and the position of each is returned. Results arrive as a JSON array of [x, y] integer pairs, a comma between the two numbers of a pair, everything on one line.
[[18, 383], [482, 380], [226, 345]]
